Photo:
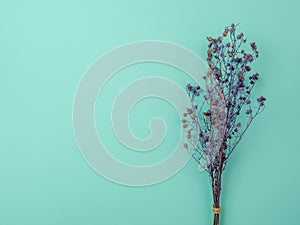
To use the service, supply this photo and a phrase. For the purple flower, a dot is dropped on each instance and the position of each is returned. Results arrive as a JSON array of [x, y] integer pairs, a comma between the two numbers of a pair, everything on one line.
[[250, 58], [254, 49], [261, 99], [253, 46], [189, 111], [240, 36], [254, 76], [249, 111]]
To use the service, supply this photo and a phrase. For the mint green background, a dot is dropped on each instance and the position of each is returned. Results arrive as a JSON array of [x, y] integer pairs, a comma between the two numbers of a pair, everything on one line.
[[45, 48]]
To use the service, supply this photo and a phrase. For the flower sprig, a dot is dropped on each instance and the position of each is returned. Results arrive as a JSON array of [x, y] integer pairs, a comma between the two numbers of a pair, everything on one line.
[[213, 124]]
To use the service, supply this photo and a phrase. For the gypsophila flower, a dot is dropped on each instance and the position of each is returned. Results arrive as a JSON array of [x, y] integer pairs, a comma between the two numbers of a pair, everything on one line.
[[212, 122]]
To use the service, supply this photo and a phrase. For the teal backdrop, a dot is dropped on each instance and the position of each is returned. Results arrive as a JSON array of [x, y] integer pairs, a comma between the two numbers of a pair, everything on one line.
[[45, 48]]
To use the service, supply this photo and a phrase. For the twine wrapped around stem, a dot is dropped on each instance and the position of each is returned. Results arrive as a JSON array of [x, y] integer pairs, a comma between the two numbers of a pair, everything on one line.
[[216, 210]]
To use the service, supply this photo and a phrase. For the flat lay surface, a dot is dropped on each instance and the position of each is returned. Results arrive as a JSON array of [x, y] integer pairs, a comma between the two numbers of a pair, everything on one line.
[[45, 49]]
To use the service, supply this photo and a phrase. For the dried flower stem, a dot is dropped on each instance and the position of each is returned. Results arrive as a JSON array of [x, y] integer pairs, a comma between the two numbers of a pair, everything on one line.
[[213, 124]]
